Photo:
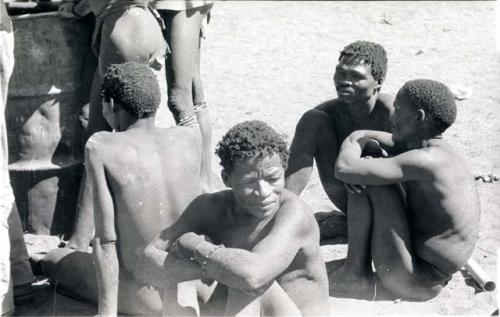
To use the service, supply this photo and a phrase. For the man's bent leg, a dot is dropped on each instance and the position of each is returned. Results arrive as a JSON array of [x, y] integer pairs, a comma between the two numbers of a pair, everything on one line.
[[395, 262], [73, 273], [273, 302], [354, 276]]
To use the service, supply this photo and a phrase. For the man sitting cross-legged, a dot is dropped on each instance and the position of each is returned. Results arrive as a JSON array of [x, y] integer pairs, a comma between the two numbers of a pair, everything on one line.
[[358, 79], [259, 241], [142, 178], [422, 232]]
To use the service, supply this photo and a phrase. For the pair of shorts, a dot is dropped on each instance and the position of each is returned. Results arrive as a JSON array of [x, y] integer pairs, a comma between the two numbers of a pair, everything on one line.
[[121, 7]]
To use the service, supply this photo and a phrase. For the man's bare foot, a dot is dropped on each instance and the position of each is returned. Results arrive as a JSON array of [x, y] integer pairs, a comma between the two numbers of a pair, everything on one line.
[[344, 280], [331, 226]]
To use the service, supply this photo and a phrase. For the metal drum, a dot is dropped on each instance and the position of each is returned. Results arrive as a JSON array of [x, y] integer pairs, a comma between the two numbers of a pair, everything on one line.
[[48, 89]]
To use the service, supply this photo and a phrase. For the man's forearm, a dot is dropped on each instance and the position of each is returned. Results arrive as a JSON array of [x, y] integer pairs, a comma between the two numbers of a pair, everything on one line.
[[235, 268], [107, 277], [162, 269]]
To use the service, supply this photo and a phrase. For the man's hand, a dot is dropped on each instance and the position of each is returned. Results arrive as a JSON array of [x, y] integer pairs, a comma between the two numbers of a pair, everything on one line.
[[373, 149], [354, 188], [186, 244]]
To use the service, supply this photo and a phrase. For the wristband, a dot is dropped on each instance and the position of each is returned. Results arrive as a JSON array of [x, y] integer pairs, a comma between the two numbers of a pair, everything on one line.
[[202, 259]]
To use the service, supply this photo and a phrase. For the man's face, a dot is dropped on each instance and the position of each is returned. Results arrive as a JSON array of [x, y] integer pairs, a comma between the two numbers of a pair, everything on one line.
[[354, 82], [257, 184], [404, 119]]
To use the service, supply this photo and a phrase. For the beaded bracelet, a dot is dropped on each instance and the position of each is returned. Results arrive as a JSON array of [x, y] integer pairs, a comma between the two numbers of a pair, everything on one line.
[[209, 254]]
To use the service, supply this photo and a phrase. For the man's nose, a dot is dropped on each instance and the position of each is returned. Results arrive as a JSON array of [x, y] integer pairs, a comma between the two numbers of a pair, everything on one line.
[[263, 188]]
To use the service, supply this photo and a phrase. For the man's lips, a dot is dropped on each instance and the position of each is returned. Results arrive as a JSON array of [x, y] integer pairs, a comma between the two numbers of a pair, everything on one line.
[[345, 90]]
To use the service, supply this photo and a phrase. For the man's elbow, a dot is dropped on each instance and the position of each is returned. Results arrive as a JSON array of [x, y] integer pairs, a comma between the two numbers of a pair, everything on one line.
[[342, 170], [256, 284], [255, 280]]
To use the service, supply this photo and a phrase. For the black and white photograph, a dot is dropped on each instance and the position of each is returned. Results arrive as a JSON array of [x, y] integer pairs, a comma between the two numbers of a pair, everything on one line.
[[249, 158]]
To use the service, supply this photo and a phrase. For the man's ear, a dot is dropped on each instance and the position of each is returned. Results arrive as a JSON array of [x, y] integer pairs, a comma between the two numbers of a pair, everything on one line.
[[421, 115], [225, 178], [379, 85]]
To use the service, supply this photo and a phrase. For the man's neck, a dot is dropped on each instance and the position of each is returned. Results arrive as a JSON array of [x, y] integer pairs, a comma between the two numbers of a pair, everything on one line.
[[423, 143], [360, 111], [144, 123]]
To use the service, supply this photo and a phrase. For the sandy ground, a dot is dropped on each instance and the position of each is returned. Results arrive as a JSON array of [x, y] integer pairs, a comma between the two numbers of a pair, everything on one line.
[[274, 60]]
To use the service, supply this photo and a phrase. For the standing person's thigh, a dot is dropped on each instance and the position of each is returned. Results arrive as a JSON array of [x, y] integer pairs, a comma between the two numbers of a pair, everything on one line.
[[96, 119], [184, 41], [397, 265]]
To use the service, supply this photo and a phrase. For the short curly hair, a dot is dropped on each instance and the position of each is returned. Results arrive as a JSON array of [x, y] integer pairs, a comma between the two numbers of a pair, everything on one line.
[[370, 53], [250, 139], [434, 98], [134, 86]]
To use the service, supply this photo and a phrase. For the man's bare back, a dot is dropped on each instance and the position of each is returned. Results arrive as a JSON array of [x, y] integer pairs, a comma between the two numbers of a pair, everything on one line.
[[142, 177], [444, 212], [140, 165]]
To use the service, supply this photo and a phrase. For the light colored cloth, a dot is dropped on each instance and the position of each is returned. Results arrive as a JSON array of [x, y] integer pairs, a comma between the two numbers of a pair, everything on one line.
[[179, 5], [6, 196]]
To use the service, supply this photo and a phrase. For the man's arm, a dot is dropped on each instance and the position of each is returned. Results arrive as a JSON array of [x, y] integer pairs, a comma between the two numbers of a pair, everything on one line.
[[107, 267], [256, 269], [315, 139], [162, 268], [352, 168], [301, 160]]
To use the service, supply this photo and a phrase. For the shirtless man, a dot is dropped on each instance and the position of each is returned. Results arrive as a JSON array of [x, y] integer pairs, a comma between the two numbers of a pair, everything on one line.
[[142, 177], [260, 233], [358, 79], [417, 240], [125, 31]]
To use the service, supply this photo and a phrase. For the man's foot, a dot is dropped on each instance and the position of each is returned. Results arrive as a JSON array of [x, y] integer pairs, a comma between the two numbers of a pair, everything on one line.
[[331, 225], [344, 280]]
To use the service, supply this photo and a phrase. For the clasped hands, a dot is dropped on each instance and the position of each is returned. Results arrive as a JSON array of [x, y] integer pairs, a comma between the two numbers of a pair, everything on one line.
[[185, 246], [371, 149]]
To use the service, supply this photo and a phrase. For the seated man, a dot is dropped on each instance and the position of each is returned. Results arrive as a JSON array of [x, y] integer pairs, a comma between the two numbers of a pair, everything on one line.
[[254, 239], [358, 78], [142, 178], [417, 237], [125, 31]]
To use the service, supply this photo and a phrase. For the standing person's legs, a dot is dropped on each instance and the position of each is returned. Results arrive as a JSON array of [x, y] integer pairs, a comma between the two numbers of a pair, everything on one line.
[[397, 266], [202, 113], [184, 82]]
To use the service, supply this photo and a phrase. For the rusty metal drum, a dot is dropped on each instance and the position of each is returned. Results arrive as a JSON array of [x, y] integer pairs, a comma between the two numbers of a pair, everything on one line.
[[48, 90]]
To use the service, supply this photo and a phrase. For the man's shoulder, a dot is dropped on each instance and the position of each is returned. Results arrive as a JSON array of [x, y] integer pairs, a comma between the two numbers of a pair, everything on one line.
[[218, 199], [324, 112], [293, 206], [329, 105], [99, 140], [386, 101], [294, 212]]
